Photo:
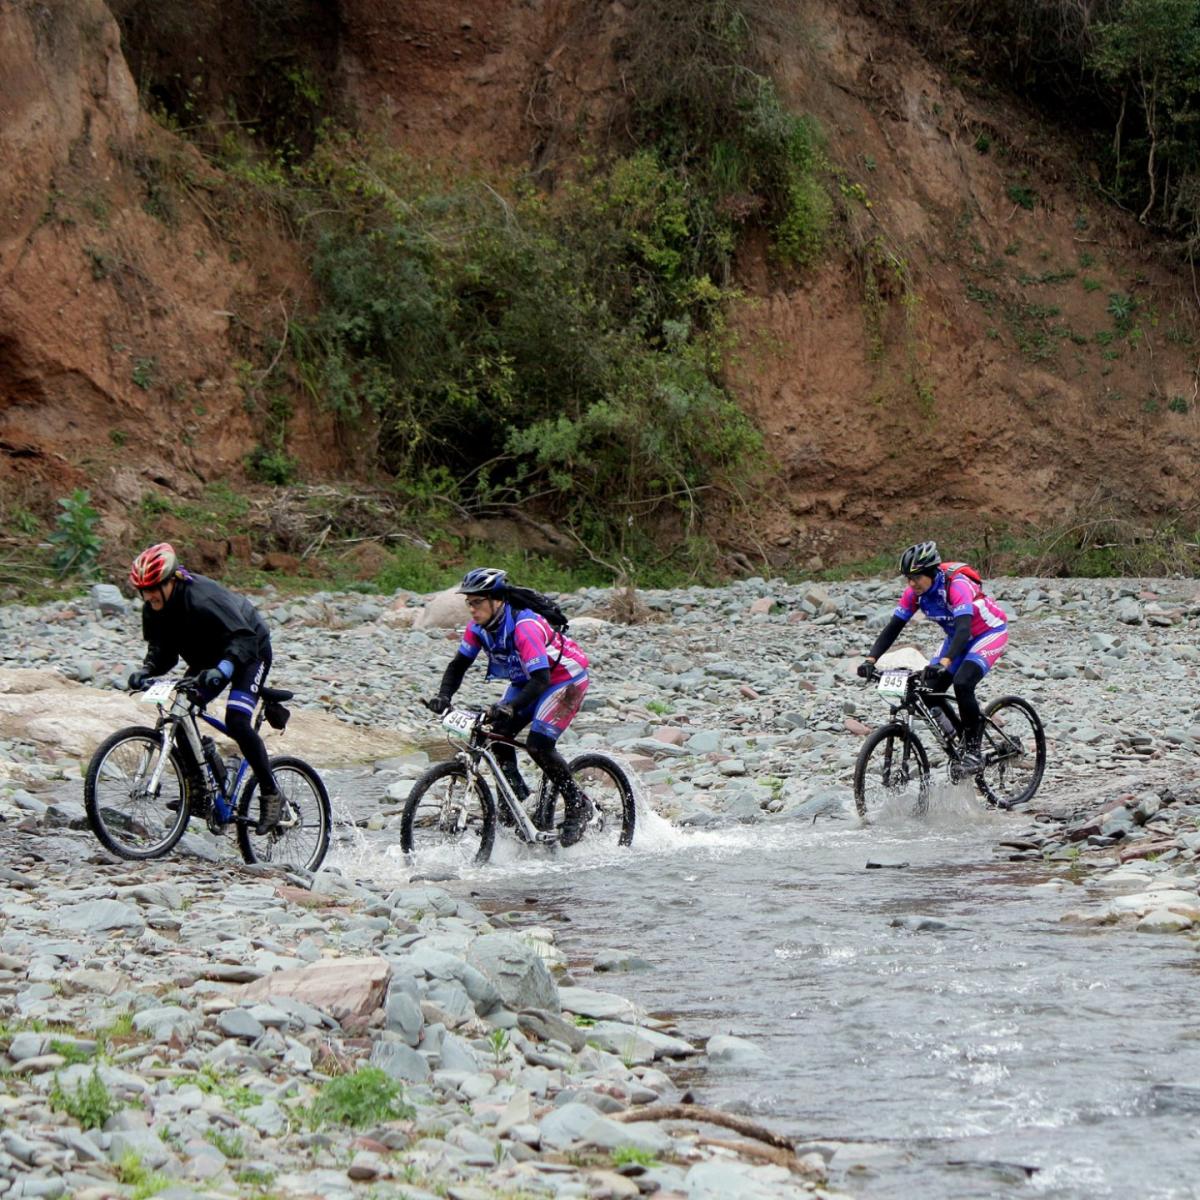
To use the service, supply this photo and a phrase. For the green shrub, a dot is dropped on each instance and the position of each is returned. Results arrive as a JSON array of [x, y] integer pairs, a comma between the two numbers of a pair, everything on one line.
[[91, 1103], [364, 1098], [271, 466], [564, 348], [75, 540]]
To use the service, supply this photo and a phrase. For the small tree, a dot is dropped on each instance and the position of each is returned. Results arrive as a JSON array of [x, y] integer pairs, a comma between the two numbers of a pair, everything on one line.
[[75, 540]]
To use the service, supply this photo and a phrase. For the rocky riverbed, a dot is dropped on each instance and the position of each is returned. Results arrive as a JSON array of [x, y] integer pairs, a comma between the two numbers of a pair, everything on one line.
[[200, 1028]]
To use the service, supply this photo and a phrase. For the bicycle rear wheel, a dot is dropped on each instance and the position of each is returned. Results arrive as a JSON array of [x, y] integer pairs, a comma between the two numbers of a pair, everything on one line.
[[123, 815], [892, 772], [604, 781], [1014, 752], [449, 818], [302, 839]]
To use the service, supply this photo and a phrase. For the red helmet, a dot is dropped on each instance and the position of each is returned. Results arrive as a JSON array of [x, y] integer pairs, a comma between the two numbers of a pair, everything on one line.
[[153, 566]]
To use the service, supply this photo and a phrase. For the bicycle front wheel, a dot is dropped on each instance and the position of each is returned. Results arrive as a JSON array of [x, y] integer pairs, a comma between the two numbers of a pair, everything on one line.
[[449, 817], [124, 815], [302, 838], [1014, 752], [892, 772]]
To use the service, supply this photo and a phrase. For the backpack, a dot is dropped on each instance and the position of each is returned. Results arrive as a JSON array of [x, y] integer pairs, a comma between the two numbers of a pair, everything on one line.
[[520, 598], [953, 570]]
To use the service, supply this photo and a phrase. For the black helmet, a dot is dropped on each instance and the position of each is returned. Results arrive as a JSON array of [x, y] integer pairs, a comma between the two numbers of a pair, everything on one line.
[[483, 581], [921, 559]]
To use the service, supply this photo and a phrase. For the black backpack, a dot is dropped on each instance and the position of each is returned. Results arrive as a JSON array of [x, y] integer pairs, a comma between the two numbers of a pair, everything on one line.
[[521, 598]]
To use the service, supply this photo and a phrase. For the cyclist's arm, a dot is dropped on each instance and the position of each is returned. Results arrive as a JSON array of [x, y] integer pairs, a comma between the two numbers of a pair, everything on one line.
[[961, 597], [452, 677], [891, 631], [958, 639], [532, 692], [159, 659]]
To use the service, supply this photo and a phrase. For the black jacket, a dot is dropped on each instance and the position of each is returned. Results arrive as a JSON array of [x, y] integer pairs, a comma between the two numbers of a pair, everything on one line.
[[203, 623]]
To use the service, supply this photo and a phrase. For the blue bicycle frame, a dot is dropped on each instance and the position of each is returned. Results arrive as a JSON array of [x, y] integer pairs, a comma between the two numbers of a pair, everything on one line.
[[224, 806]]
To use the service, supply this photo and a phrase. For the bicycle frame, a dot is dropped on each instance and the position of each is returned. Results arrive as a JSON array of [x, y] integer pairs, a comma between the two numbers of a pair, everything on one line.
[[478, 749], [915, 704], [182, 715]]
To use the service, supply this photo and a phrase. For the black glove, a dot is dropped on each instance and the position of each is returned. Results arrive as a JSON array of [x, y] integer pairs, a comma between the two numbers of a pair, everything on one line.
[[211, 679], [137, 679], [865, 670], [500, 714], [437, 704], [936, 677]]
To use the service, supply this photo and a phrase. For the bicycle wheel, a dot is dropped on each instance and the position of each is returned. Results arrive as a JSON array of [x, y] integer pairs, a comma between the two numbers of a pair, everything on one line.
[[892, 771], [1014, 752], [604, 781], [302, 838], [124, 816], [449, 817]]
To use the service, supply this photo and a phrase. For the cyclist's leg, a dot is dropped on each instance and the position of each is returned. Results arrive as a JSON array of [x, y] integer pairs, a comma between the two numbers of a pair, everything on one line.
[[978, 658], [553, 713], [506, 756], [937, 701], [246, 684]]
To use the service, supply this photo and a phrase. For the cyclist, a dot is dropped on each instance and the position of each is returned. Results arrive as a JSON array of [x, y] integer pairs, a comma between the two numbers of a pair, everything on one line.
[[547, 678], [223, 640], [976, 628]]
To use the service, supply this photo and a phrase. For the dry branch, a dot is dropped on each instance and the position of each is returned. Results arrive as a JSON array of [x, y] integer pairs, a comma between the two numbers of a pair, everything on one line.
[[708, 1116]]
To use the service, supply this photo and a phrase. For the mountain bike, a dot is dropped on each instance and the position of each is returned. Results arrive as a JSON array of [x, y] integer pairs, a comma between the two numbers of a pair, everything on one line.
[[145, 784], [893, 766], [453, 811]]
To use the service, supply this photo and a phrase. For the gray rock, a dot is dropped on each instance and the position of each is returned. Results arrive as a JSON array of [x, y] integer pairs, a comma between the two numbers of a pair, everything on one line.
[[238, 1023], [96, 916], [516, 970], [734, 1051], [400, 1061], [107, 600]]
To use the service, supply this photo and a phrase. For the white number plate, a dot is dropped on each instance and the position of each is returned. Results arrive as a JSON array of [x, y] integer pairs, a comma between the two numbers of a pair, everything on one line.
[[893, 684], [158, 693], [459, 724]]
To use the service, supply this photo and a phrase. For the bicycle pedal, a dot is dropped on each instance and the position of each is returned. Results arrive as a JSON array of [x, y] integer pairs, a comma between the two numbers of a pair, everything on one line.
[[547, 837]]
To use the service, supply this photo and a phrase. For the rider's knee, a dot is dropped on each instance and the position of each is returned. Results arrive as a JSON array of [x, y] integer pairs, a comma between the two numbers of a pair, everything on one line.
[[967, 676], [543, 749]]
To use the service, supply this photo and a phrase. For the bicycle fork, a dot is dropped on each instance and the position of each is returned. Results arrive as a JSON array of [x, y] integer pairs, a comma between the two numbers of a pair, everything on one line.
[[154, 783]]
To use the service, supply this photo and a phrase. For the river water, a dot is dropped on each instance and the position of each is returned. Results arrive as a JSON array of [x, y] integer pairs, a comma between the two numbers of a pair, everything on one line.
[[1004, 1052]]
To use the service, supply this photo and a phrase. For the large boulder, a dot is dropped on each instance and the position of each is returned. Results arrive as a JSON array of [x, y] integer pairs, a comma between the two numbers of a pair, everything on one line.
[[517, 971], [349, 989], [445, 610]]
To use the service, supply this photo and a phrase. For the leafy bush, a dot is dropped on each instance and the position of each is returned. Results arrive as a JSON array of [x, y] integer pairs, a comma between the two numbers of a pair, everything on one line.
[[75, 540], [91, 1103], [700, 93], [561, 348], [364, 1098], [1125, 69]]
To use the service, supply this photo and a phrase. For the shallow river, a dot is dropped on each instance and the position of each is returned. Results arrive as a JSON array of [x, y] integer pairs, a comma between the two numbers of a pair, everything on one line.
[[1009, 1054]]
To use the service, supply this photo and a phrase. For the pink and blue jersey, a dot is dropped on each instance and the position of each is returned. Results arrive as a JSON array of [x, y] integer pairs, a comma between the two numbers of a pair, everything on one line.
[[952, 597], [943, 604], [524, 642]]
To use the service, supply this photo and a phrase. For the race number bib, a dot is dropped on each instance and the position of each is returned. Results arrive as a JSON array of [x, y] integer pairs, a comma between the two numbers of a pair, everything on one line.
[[158, 693], [459, 724], [893, 685]]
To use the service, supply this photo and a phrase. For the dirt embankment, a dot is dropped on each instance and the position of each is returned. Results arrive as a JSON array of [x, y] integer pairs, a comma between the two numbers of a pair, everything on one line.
[[985, 339]]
